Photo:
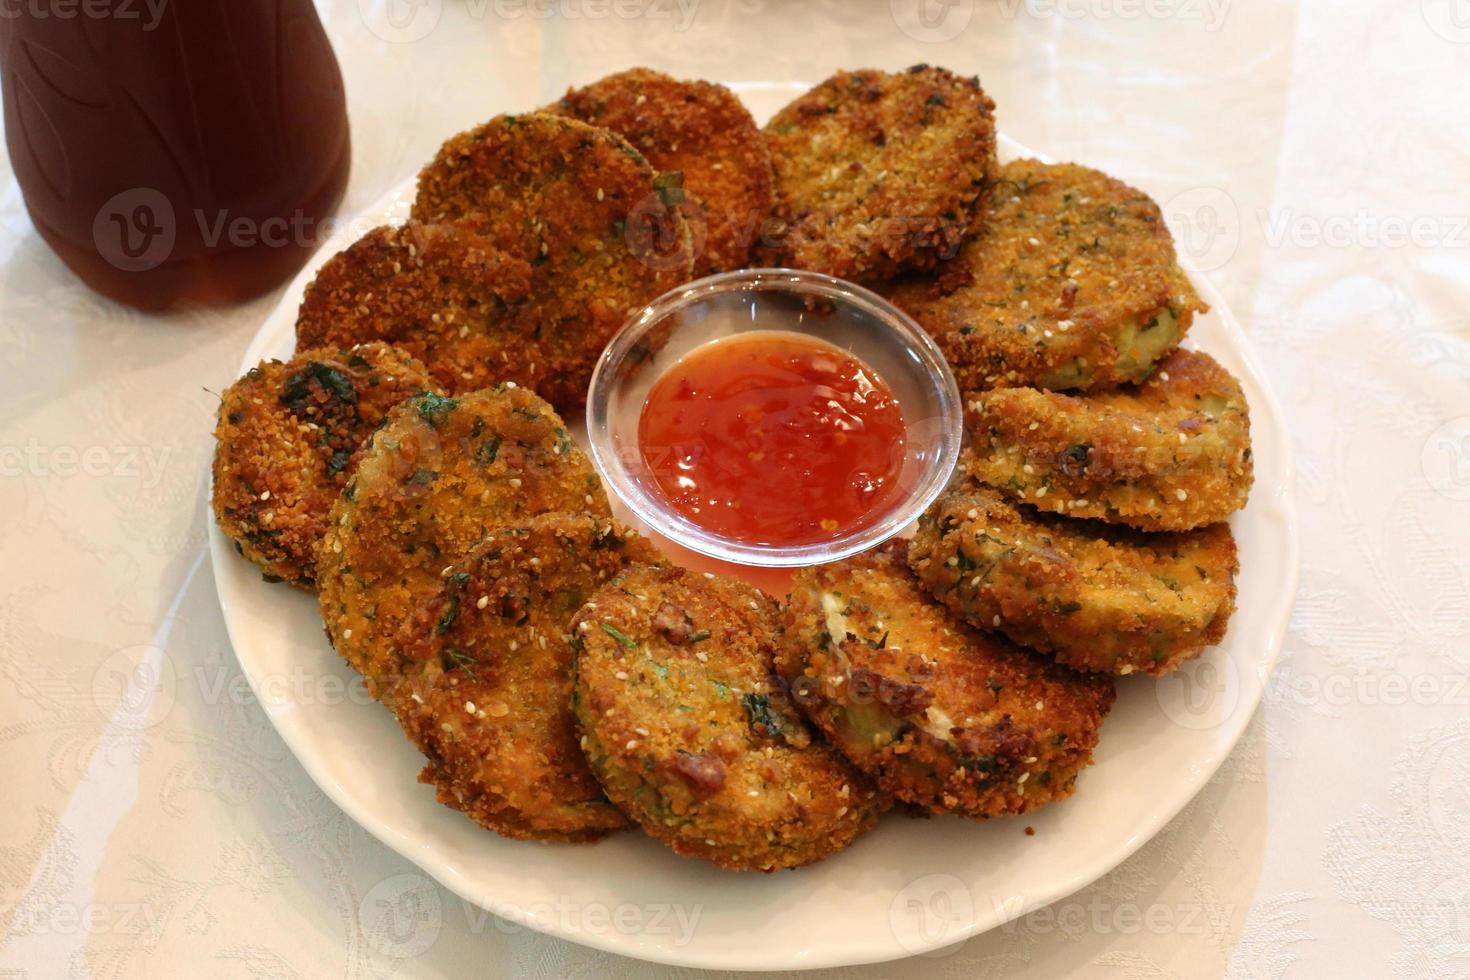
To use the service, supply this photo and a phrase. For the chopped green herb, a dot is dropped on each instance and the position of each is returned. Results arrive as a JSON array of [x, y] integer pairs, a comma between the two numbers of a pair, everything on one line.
[[758, 708], [618, 635], [434, 409], [450, 614]]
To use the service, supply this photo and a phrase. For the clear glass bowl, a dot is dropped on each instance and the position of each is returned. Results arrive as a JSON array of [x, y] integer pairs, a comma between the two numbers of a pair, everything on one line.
[[833, 310]]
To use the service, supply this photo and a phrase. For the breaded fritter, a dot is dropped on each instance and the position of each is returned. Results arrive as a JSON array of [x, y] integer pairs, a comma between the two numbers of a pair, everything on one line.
[[436, 478], [599, 227], [701, 130], [878, 172], [688, 729], [487, 688], [1096, 596], [1170, 454], [1071, 282], [289, 436], [441, 292], [943, 716]]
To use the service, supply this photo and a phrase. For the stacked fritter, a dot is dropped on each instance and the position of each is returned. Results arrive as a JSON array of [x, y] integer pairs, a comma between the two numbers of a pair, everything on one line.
[[562, 680]]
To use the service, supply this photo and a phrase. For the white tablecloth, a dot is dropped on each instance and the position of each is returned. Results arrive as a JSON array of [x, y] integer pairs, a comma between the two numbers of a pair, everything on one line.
[[1313, 157]]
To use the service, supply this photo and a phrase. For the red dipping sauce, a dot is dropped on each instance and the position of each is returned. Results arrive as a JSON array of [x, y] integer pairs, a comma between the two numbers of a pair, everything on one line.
[[774, 438]]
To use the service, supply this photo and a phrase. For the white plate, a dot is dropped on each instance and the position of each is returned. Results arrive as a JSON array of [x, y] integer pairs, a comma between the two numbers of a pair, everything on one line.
[[908, 887]]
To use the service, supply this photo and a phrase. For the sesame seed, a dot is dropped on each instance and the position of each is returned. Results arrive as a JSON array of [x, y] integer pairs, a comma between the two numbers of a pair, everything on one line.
[[469, 707], [973, 513], [347, 633], [1041, 493], [266, 495], [1182, 494], [482, 602], [1127, 669], [632, 744], [995, 621], [621, 675]]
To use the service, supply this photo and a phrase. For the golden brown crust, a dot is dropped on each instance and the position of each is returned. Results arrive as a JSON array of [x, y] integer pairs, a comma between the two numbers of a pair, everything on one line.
[[435, 479], [878, 172], [701, 130], [1098, 597], [600, 229], [1071, 282], [288, 437], [486, 694], [1171, 454], [686, 725], [441, 292], [943, 716]]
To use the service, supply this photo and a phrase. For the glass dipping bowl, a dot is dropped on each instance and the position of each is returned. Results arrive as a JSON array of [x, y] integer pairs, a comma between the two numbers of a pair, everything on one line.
[[808, 303]]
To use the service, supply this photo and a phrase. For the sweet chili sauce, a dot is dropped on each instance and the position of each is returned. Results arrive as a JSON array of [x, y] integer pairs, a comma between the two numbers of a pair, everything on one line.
[[774, 438]]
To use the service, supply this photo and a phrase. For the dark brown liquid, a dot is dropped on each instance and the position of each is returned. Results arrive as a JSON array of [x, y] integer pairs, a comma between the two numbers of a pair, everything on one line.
[[183, 150]]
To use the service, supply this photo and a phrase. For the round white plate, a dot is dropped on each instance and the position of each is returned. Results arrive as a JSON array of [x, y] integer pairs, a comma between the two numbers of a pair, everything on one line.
[[908, 887]]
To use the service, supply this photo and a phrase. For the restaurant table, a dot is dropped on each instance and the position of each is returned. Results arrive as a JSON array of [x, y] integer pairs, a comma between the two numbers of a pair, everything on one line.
[[1312, 159]]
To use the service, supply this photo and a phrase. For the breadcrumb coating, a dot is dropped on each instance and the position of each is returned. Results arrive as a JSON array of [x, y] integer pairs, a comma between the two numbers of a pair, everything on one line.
[[941, 715], [486, 694], [288, 438], [1096, 596], [442, 292], [703, 131], [1170, 454], [688, 728], [438, 476], [1070, 283], [878, 172]]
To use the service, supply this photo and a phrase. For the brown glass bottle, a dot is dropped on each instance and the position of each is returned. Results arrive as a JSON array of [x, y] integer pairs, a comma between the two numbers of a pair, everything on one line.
[[175, 150]]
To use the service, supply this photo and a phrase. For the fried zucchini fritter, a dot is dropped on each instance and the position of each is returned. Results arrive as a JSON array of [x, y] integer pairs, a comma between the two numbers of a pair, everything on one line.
[[486, 693], [943, 716], [435, 479], [1096, 596], [288, 437], [701, 130], [441, 292], [879, 172], [600, 229], [1072, 283], [688, 729], [1170, 454]]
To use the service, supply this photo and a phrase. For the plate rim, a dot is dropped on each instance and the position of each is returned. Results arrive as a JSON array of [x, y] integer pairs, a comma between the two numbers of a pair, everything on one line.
[[1278, 499]]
